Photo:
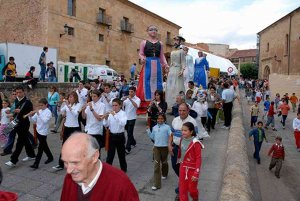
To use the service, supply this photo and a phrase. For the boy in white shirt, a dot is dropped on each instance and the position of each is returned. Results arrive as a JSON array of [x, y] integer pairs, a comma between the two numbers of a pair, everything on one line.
[[42, 119], [116, 121], [107, 97], [130, 104], [93, 113]]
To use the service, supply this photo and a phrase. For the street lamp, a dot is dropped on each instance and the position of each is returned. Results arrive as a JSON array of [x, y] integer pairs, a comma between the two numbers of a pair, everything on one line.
[[66, 29]]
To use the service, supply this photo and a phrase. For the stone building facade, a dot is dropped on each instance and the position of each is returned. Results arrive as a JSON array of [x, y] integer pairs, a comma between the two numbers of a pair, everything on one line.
[[84, 31], [239, 57], [279, 48]]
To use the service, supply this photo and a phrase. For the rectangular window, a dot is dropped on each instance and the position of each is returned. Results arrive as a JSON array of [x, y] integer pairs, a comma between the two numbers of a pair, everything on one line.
[[268, 46], [107, 62], [109, 73], [71, 31], [72, 59], [101, 37], [72, 7], [101, 12]]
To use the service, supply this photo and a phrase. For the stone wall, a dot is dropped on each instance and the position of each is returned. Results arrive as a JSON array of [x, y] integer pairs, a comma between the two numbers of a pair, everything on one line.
[[284, 84], [24, 21], [40, 91], [236, 179]]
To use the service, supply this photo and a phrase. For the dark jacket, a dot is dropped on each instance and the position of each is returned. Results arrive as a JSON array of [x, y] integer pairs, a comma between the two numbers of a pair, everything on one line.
[[28, 107], [255, 134]]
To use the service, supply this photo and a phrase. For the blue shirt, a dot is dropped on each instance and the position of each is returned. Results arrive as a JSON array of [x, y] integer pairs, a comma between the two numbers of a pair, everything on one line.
[[228, 95], [53, 99], [132, 69], [267, 105], [160, 134]]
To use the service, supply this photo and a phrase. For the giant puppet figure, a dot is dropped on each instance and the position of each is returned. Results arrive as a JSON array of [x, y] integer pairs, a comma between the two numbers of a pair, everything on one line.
[[175, 82], [201, 71], [188, 74], [151, 76]]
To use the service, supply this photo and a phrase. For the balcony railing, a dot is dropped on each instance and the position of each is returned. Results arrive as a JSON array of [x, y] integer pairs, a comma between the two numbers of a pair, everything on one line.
[[169, 41], [127, 27], [104, 19]]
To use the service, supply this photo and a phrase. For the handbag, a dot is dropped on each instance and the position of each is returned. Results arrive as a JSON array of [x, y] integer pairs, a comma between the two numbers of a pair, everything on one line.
[[14, 123]]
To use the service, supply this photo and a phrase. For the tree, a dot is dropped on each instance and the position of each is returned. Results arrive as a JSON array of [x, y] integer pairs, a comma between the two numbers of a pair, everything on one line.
[[249, 70]]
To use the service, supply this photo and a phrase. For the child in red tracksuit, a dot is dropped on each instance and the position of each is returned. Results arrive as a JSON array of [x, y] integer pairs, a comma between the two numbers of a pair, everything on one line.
[[189, 156], [278, 156]]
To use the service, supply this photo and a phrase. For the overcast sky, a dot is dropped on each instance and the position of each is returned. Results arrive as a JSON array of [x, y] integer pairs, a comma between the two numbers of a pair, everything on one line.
[[233, 22]]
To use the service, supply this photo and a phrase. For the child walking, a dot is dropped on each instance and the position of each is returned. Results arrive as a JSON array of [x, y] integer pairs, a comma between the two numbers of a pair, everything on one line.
[[296, 127], [277, 157], [189, 157], [4, 121], [284, 111], [160, 135], [254, 114], [270, 116], [116, 121], [258, 136], [42, 118]]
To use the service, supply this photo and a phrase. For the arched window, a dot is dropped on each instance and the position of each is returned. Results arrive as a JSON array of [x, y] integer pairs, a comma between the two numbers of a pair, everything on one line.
[[266, 72]]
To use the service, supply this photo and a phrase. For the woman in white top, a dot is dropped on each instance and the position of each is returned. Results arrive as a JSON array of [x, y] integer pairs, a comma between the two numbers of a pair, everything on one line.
[[71, 111], [93, 113]]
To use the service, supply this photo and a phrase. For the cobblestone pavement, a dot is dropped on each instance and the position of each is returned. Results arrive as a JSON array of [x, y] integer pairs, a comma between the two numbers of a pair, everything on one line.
[[46, 184], [264, 184]]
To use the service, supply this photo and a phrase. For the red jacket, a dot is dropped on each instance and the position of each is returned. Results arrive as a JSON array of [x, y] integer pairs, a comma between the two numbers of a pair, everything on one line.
[[192, 158], [271, 111], [278, 151]]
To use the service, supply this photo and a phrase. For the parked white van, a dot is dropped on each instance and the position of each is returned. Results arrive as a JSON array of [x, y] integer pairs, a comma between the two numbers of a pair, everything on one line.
[[102, 71]]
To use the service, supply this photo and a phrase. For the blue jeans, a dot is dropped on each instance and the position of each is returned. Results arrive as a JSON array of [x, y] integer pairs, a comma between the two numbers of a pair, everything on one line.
[[53, 109], [253, 120], [52, 79], [257, 146], [43, 72]]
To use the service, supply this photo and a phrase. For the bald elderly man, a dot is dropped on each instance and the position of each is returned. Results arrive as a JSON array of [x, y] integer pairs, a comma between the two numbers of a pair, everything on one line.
[[90, 179]]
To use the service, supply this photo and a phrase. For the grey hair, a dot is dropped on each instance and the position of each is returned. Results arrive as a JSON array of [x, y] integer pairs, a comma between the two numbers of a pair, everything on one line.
[[92, 146]]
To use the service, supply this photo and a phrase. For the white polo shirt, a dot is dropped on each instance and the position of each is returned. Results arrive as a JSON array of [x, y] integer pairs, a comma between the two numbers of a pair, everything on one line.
[[116, 123], [72, 115], [82, 95], [93, 125], [177, 126], [42, 121], [129, 109]]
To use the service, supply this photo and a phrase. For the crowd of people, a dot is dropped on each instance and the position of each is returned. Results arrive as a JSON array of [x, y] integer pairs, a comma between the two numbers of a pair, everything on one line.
[[97, 115], [278, 109]]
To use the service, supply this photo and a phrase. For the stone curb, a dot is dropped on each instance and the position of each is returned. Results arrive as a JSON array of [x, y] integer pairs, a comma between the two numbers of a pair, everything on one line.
[[236, 178]]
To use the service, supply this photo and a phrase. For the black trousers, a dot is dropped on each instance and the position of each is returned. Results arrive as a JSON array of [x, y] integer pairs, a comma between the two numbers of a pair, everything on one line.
[[23, 140], [203, 121], [43, 147], [117, 141], [68, 131], [227, 108], [130, 138], [211, 122]]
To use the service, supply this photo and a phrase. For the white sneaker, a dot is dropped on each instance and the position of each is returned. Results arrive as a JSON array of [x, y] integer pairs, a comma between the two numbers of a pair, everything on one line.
[[154, 188], [28, 159], [163, 178], [58, 167], [10, 164]]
